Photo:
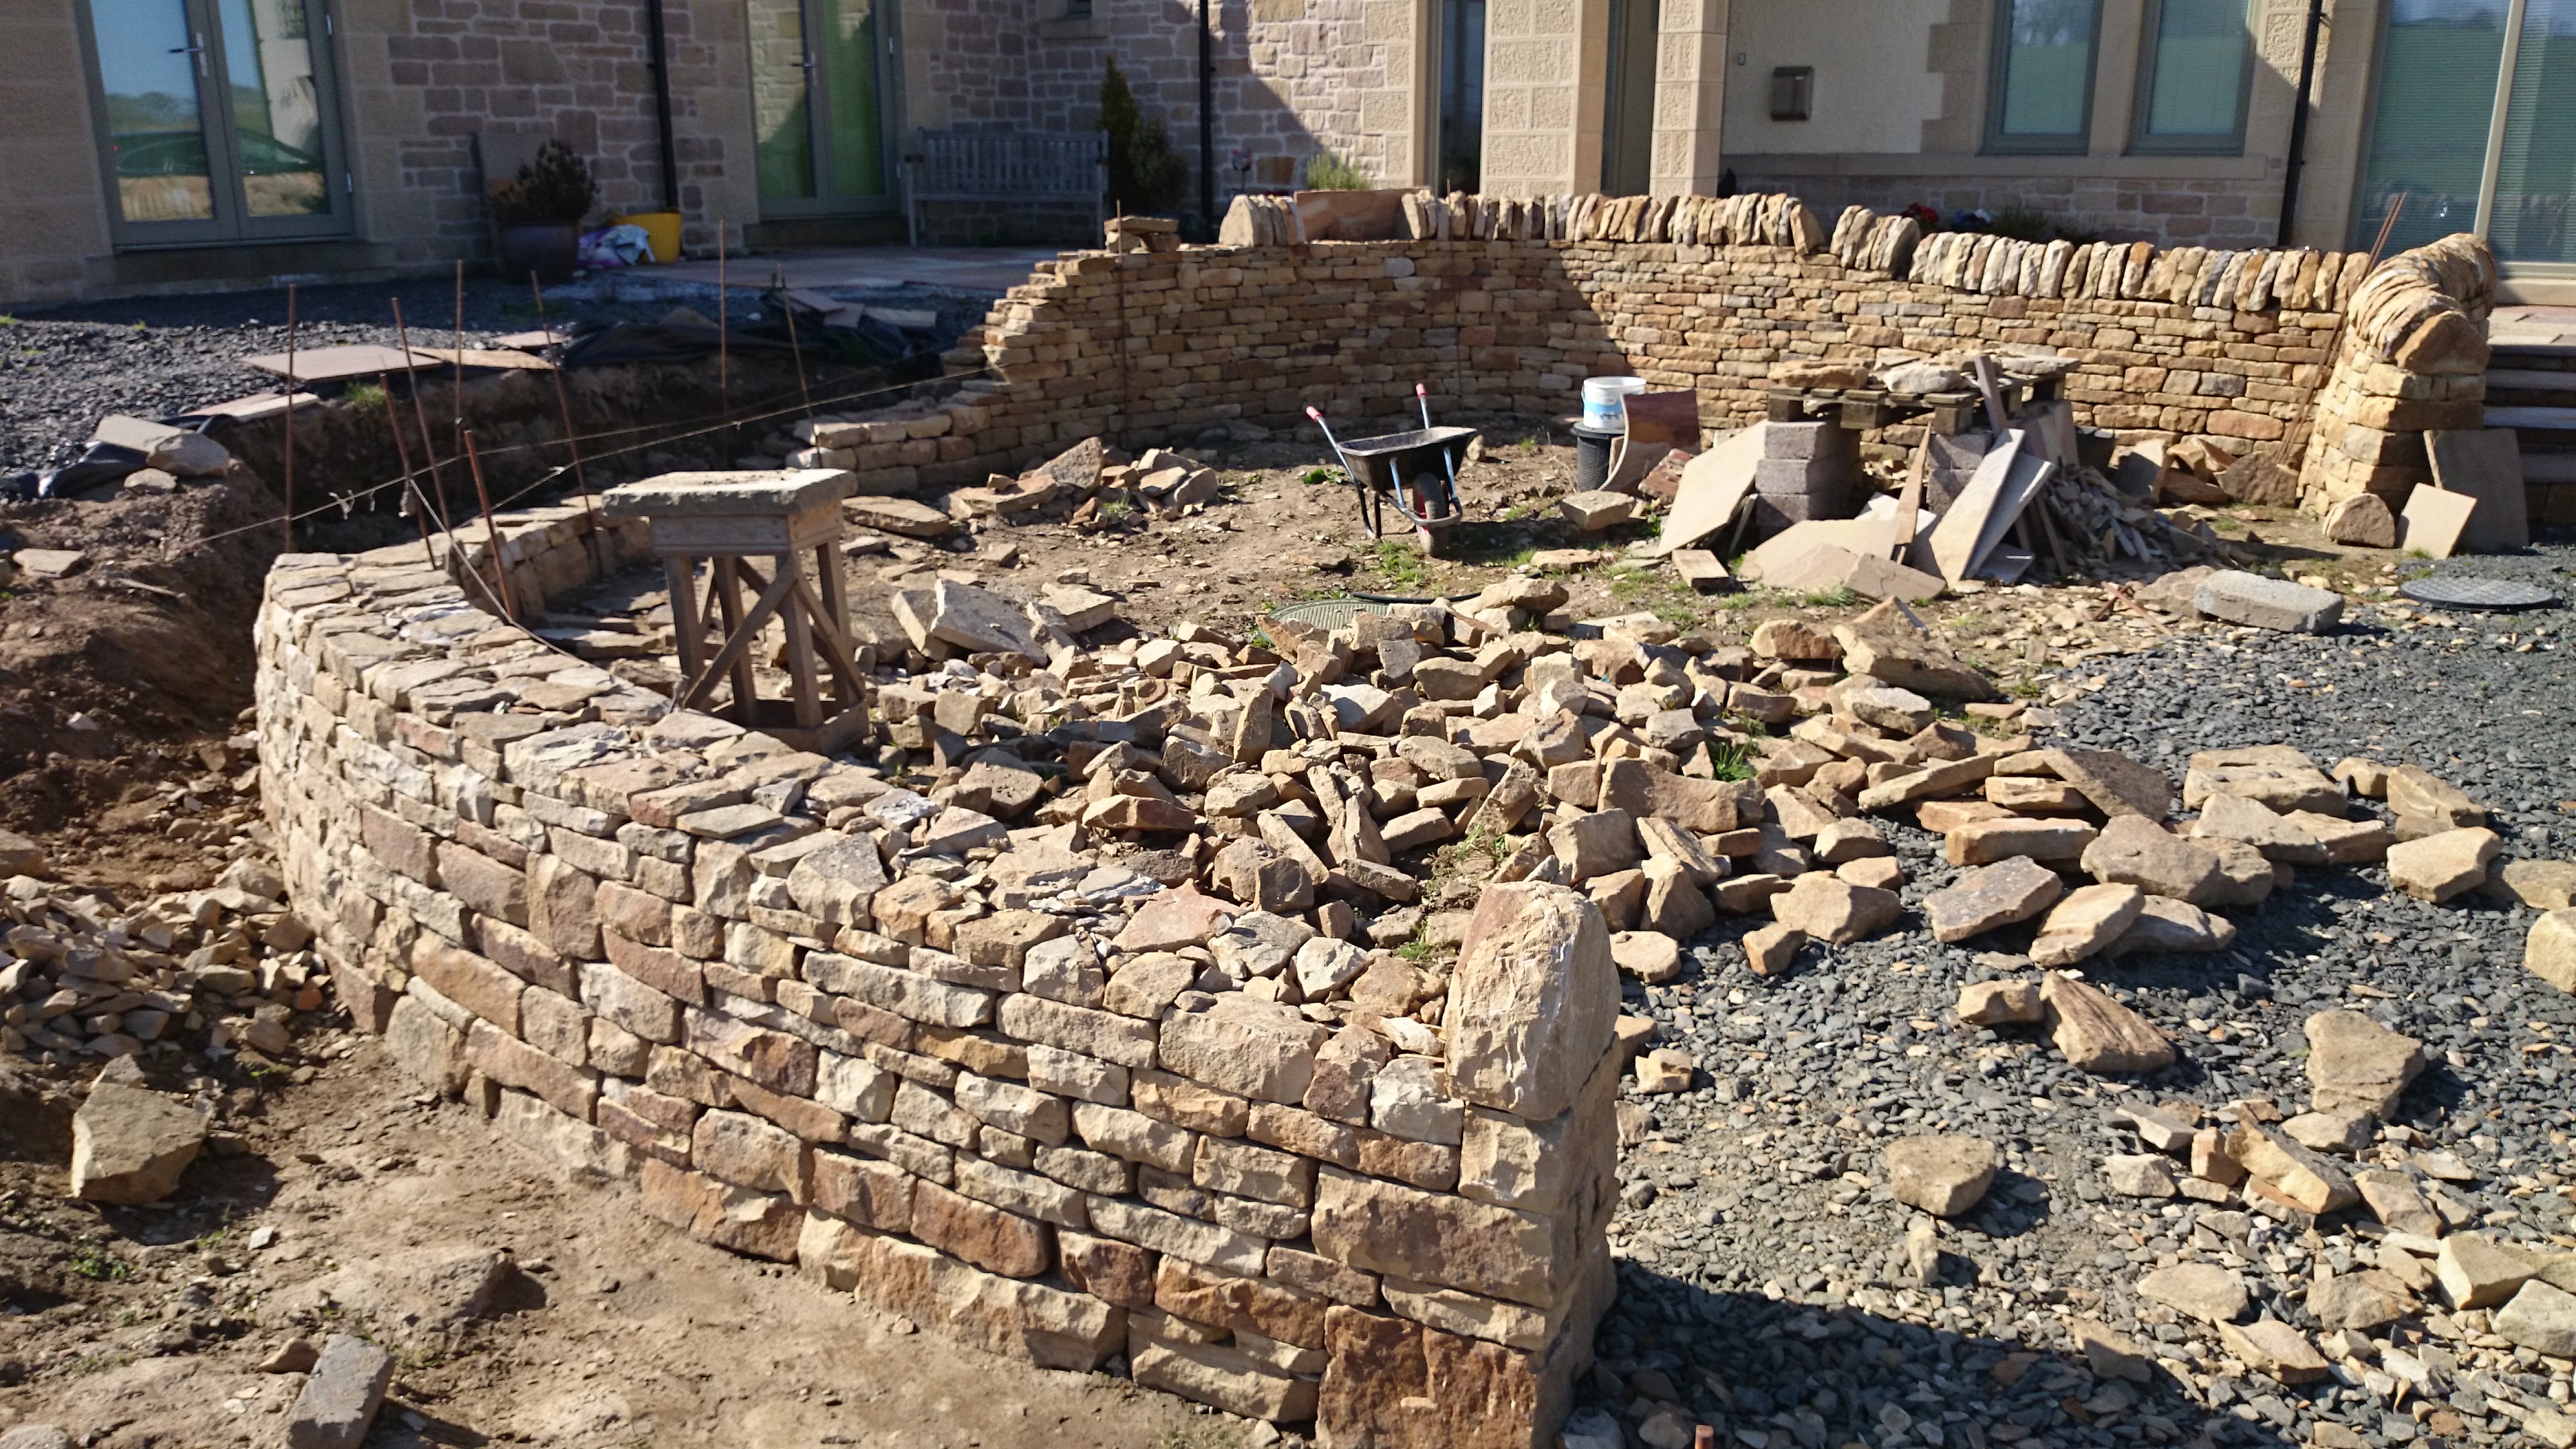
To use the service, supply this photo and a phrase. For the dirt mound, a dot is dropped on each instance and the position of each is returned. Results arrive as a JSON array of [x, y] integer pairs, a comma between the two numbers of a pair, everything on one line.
[[111, 674]]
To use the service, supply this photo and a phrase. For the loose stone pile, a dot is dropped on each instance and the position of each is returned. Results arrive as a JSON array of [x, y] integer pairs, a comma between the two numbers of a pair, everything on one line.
[[218, 975], [1775, 1279]]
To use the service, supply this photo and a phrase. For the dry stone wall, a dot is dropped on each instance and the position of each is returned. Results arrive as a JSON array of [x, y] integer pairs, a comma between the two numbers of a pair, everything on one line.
[[1508, 304], [2414, 359], [654, 947]]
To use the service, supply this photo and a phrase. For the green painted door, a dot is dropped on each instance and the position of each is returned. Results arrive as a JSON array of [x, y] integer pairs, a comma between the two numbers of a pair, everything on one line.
[[819, 106]]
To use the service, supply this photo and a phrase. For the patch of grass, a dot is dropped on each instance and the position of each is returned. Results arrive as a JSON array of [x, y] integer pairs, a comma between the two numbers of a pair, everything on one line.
[[1837, 597], [1729, 760], [364, 395], [7, 321], [1313, 476], [1416, 950], [1116, 509], [1529, 447], [92, 1260], [1400, 562]]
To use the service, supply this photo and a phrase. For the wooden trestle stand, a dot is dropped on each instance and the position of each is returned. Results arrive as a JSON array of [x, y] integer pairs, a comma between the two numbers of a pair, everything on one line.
[[790, 520]]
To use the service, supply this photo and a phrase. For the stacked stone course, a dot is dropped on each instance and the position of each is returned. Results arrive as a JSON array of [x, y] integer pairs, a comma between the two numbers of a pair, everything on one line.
[[960, 1101]]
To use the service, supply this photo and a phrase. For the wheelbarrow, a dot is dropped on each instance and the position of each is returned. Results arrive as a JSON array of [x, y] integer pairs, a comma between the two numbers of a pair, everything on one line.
[[1416, 471]]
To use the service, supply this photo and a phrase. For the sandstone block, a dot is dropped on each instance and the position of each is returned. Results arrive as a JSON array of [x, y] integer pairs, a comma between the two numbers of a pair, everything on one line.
[[1532, 1001], [130, 1145], [2097, 1034], [1942, 1175], [2355, 1064], [1996, 895]]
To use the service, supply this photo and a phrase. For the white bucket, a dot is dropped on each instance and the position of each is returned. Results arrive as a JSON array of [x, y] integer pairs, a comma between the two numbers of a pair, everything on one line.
[[1604, 405]]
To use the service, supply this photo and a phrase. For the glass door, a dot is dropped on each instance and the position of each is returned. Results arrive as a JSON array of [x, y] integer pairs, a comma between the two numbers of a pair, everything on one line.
[[2535, 164], [819, 106], [215, 119], [1460, 130], [1628, 132]]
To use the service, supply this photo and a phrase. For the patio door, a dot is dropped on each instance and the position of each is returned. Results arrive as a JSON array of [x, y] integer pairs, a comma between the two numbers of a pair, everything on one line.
[[215, 119], [820, 106]]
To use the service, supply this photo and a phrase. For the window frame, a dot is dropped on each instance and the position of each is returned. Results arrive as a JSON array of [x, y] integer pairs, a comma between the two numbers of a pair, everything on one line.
[[2142, 100], [1998, 81]]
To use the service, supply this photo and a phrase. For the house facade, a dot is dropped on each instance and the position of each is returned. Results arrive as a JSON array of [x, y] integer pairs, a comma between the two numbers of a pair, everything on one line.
[[157, 144]]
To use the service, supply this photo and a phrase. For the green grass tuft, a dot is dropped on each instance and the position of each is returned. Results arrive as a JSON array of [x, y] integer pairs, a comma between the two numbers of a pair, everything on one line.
[[1400, 562], [1729, 760]]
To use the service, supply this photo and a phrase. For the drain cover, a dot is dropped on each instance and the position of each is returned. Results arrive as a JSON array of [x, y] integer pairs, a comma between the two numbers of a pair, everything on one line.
[[1327, 613], [2454, 592]]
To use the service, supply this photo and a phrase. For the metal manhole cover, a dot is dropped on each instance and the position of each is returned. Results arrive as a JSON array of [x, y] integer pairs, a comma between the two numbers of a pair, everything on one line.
[[2454, 592], [1326, 613]]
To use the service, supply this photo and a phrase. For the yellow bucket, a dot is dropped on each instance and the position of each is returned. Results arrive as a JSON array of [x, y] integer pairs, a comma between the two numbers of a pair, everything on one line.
[[661, 232]]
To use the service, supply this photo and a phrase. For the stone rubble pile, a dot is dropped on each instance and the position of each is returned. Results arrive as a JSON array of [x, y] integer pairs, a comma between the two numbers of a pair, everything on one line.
[[223, 974]]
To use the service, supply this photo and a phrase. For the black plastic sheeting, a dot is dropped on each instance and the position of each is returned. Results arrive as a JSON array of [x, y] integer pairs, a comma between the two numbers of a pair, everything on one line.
[[846, 336]]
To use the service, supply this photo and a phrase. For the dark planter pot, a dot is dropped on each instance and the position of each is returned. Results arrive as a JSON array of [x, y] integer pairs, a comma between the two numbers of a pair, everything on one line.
[[548, 251]]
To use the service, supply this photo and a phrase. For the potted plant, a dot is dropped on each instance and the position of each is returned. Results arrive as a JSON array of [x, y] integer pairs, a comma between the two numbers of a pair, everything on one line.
[[538, 214]]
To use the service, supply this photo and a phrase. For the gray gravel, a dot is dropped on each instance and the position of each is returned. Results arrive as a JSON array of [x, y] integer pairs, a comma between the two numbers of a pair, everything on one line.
[[62, 369], [1761, 1269]]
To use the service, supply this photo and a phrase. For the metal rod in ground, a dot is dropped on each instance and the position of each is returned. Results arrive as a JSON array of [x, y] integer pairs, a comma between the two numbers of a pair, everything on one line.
[[491, 531], [724, 388], [288, 522], [402, 454], [456, 387], [787, 304], [572, 440], [420, 417]]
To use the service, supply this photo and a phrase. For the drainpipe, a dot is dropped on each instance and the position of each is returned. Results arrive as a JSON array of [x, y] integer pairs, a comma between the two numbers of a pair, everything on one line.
[[2299, 125], [660, 61], [1207, 123]]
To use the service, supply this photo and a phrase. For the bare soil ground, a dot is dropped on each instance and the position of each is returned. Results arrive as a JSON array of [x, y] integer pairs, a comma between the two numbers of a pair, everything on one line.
[[145, 1328]]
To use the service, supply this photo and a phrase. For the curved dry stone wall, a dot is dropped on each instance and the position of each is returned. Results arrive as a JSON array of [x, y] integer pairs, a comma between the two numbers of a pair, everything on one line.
[[978, 1093]]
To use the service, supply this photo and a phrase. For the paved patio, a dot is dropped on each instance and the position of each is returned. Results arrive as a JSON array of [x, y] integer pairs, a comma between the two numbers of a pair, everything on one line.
[[2533, 326]]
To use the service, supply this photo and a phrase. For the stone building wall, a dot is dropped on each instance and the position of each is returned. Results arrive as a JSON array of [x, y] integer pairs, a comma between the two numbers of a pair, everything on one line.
[[423, 80], [950, 1100], [2174, 203]]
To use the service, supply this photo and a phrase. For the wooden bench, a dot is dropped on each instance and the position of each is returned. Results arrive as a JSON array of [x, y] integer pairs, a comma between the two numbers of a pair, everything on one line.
[[1005, 166]]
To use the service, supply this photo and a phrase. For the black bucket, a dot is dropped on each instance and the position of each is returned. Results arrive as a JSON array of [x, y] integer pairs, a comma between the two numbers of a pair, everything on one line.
[[1592, 459]]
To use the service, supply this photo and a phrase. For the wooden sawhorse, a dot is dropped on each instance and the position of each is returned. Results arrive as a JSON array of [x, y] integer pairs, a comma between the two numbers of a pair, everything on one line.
[[791, 519]]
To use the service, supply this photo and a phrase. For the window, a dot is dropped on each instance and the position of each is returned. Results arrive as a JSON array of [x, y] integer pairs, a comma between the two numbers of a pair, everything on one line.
[[2536, 168], [2192, 78], [1793, 92], [1461, 133], [2041, 96], [2438, 62]]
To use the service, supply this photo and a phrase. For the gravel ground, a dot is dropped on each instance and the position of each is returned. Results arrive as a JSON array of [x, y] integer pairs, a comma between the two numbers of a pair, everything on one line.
[[62, 369], [1763, 1281]]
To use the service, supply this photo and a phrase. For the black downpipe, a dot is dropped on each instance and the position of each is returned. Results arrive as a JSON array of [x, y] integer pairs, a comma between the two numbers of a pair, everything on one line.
[[2299, 125], [1207, 124], [661, 63]]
